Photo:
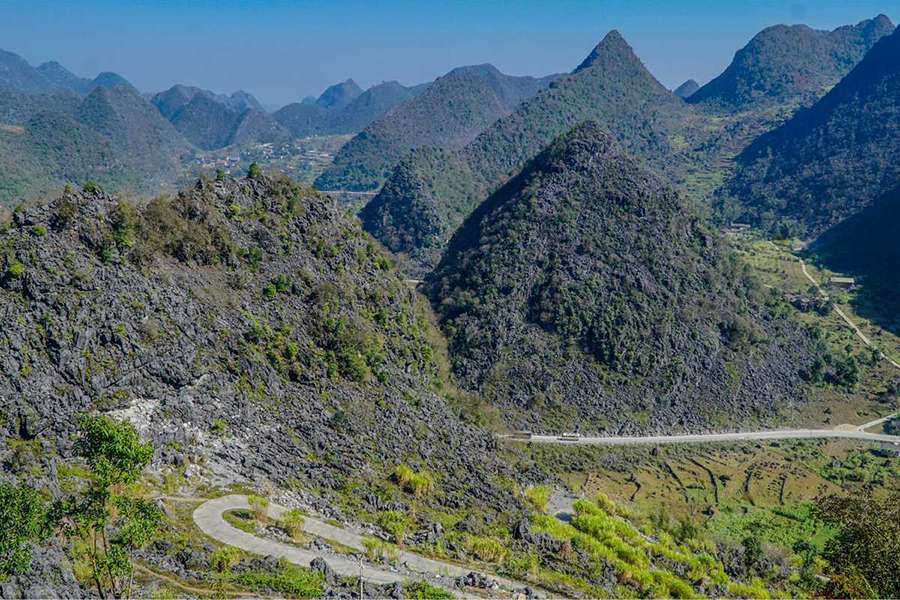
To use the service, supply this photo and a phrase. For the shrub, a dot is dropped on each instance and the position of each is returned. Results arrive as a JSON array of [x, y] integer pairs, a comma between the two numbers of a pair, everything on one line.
[[417, 483], [254, 172], [220, 175], [292, 521], [379, 550], [260, 506], [422, 590], [538, 496], [15, 269], [22, 513], [224, 558], [39, 230], [90, 186], [485, 548], [218, 426], [395, 523]]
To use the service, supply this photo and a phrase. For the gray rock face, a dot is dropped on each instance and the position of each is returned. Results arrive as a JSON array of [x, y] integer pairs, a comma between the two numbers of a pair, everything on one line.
[[246, 326]]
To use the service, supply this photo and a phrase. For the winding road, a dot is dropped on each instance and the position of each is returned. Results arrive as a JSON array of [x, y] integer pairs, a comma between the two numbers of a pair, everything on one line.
[[208, 517]]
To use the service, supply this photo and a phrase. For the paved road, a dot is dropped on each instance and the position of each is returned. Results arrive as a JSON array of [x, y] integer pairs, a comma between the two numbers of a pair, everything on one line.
[[703, 438], [844, 316], [208, 517]]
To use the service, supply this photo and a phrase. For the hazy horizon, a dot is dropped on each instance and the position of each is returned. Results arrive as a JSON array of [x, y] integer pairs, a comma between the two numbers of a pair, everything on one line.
[[282, 51]]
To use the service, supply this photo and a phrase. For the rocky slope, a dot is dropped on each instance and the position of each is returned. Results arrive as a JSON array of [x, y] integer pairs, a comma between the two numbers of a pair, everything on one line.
[[791, 63], [247, 326], [830, 161], [584, 294], [448, 114], [611, 86]]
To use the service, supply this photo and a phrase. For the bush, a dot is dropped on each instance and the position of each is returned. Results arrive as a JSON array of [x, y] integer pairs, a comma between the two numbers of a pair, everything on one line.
[[260, 506], [224, 558], [22, 513], [395, 523], [422, 590], [485, 548], [538, 496], [379, 550], [90, 187], [15, 269], [39, 230], [292, 521], [218, 426], [417, 483], [254, 172]]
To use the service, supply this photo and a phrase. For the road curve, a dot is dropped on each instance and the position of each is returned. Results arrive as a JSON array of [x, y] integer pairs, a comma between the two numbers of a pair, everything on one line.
[[705, 438], [208, 517]]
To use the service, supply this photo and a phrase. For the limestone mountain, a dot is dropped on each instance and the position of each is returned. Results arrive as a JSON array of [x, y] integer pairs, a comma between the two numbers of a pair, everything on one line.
[[62, 78], [16, 75], [112, 136], [211, 121], [584, 293], [339, 95], [611, 86], [867, 245], [686, 89], [255, 303], [135, 128], [310, 118], [450, 113], [791, 63], [830, 161], [176, 97]]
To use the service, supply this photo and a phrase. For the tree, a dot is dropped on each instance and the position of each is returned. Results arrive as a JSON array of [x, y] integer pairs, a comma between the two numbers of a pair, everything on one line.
[[24, 518], [865, 554], [254, 172], [110, 522]]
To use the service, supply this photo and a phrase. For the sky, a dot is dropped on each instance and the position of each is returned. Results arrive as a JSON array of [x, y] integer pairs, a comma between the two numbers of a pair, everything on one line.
[[282, 50]]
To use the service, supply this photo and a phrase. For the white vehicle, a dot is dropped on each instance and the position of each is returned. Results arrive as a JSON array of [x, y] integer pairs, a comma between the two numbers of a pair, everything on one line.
[[570, 436]]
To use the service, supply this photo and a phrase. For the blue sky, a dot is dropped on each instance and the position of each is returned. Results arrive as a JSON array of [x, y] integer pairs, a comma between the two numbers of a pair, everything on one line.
[[283, 50]]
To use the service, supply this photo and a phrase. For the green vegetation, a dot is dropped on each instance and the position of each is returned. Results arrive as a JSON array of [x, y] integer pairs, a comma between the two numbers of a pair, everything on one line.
[[260, 507], [538, 496], [254, 171], [107, 523], [292, 521], [15, 269], [288, 579], [418, 483], [422, 590], [864, 556], [24, 517]]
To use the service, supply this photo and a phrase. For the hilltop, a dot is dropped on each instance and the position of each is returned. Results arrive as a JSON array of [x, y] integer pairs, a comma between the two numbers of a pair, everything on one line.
[[448, 114], [610, 86], [830, 161], [312, 118], [584, 293], [791, 63]]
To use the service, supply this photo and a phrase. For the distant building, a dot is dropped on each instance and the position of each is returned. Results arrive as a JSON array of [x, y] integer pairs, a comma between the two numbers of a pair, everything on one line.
[[843, 282]]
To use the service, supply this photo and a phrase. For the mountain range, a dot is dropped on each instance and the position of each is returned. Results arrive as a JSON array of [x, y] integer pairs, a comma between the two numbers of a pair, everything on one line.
[[448, 114], [329, 116], [427, 198], [791, 64]]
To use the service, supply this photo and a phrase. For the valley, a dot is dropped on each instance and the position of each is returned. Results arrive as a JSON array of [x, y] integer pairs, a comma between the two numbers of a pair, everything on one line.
[[485, 333]]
